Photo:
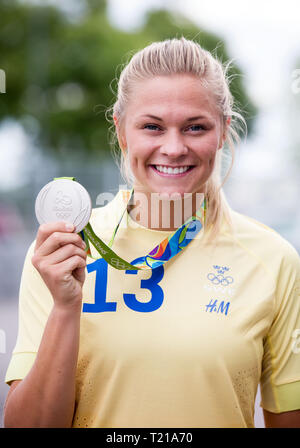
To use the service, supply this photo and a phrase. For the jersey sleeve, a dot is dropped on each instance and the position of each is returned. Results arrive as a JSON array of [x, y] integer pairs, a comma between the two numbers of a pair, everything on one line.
[[280, 378], [35, 304]]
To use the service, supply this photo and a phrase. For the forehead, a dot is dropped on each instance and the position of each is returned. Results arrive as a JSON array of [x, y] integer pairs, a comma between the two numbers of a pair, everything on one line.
[[172, 96]]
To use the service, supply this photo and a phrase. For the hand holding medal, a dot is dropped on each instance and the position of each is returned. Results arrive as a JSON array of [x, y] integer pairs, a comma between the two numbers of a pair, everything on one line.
[[63, 208]]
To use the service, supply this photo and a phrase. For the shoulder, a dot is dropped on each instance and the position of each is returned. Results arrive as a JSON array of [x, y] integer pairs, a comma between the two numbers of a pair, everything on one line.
[[262, 241]]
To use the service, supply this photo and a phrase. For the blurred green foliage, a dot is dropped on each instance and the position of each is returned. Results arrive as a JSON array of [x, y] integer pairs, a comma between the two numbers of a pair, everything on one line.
[[60, 72]]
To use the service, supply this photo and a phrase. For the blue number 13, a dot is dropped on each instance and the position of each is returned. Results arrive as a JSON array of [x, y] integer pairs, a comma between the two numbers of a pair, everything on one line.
[[101, 305]]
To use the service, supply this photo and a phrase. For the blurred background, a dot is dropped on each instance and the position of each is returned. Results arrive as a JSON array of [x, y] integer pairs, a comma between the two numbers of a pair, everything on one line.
[[58, 67]]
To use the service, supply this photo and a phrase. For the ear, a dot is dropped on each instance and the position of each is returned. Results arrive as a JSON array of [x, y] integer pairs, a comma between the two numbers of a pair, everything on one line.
[[121, 137], [224, 134]]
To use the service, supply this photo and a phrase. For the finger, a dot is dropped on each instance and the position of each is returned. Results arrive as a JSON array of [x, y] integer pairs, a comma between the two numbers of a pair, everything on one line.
[[57, 240], [45, 230], [70, 264], [65, 252], [79, 274]]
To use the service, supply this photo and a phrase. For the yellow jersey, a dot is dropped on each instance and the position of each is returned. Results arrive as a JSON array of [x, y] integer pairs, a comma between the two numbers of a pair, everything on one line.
[[185, 344]]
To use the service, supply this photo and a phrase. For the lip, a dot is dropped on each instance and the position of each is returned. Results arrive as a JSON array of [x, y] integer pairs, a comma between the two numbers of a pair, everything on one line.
[[172, 175]]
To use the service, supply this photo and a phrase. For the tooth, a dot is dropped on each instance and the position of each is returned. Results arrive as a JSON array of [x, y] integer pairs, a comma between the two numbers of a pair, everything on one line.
[[169, 170]]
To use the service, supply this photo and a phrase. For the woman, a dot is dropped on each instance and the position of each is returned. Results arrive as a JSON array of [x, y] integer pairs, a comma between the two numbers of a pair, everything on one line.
[[187, 343]]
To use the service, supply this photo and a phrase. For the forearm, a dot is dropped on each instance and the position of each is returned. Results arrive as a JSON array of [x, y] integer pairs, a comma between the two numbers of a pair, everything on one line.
[[289, 419], [46, 396]]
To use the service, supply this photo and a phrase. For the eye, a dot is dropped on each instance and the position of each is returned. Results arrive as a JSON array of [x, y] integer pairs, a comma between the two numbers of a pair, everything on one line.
[[152, 127], [196, 128]]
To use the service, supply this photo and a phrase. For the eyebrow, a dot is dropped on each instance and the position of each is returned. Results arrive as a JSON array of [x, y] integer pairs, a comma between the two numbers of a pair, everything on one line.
[[198, 117]]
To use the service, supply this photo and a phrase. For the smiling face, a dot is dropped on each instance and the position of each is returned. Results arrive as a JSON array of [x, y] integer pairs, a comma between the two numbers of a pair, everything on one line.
[[172, 131]]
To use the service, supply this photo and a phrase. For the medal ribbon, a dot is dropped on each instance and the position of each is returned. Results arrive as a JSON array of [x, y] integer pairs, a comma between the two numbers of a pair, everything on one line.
[[163, 252]]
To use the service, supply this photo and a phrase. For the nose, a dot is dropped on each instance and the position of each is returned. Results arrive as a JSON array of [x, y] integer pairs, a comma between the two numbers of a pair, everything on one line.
[[173, 144]]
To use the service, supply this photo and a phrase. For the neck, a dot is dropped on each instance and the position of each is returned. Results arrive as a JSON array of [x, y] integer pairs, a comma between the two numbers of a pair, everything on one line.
[[158, 211]]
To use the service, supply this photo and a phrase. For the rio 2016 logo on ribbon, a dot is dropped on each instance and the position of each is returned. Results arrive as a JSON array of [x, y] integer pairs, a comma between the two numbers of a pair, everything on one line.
[[2, 81]]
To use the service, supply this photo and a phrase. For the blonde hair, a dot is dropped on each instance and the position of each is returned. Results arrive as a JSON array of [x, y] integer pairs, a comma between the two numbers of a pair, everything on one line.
[[182, 56]]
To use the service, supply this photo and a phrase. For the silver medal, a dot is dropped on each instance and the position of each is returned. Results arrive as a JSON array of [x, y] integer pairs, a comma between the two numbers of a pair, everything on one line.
[[64, 200]]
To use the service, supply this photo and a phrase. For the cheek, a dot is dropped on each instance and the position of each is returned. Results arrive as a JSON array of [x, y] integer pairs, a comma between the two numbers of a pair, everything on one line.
[[137, 158], [208, 147], [207, 154], [139, 152], [136, 142]]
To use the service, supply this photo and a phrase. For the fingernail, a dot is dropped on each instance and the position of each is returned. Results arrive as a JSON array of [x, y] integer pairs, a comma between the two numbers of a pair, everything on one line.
[[69, 226]]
